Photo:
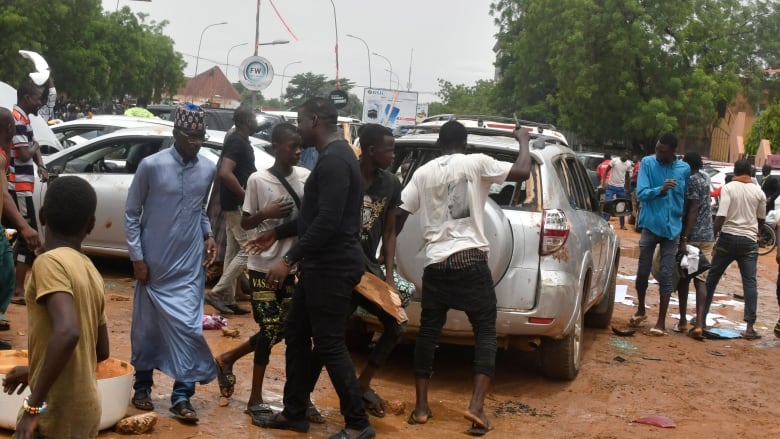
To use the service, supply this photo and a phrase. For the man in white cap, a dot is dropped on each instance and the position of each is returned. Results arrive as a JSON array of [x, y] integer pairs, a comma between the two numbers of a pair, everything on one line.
[[169, 245]]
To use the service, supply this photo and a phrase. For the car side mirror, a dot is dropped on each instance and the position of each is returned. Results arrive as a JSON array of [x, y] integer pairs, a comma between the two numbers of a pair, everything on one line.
[[618, 207]]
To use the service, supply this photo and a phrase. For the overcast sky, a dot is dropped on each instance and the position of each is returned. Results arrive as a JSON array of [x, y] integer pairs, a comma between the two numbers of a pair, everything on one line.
[[451, 39]]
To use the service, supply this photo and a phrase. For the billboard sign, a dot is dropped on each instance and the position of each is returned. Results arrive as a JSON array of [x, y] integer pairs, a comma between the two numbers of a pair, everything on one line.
[[391, 108]]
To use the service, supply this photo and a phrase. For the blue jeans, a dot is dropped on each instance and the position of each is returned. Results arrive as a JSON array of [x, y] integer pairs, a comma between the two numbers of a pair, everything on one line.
[[469, 290], [744, 250], [615, 192], [181, 391], [7, 272], [647, 243]]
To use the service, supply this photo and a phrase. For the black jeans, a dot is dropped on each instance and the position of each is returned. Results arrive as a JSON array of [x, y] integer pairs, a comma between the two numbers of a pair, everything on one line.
[[319, 310], [392, 331], [469, 290]]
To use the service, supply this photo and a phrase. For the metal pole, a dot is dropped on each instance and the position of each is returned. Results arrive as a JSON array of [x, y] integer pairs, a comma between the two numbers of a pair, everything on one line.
[[390, 79], [368, 55], [336, 26], [281, 87], [397, 79], [409, 81], [257, 27], [197, 57], [227, 58]]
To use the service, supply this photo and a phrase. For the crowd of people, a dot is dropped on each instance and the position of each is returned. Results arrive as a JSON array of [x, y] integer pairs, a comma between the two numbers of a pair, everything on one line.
[[309, 239]]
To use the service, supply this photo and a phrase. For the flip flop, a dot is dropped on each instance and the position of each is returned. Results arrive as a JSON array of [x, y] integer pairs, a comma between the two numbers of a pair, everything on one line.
[[419, 419], [259, 409], [677, 328], [142, 400], [777, 329], [5, 325], [696, 334], [374, 404], [478, 430], [636, 320], [226, 381], [19, 301], [655, 332], [750, 335]]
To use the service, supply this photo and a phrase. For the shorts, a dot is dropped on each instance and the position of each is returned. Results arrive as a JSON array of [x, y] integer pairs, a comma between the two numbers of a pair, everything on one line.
[[269, 309], [22, 253], [706, 249]]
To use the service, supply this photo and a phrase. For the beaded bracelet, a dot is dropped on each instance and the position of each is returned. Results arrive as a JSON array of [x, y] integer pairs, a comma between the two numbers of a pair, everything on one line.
[[33, 410]]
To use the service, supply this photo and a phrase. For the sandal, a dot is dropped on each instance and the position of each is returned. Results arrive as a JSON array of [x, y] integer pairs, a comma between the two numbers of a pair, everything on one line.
[[636, 320], [313, 415], [777, 329], [479, 426], [142, 400], [184, 411], [374, 404], [259, 409], [4, 324], [19, 301], [696, 334], [419, 419], [750, 335], [226, 381]]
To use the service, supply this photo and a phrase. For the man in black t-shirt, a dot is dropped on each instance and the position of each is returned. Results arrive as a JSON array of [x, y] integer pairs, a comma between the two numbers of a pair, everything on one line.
[[235, 166]]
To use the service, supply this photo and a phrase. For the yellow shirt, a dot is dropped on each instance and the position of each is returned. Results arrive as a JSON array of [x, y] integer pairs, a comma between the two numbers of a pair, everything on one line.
[[73, 403]]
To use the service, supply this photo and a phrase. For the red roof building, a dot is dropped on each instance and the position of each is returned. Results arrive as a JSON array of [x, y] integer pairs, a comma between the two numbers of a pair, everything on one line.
[[210, 87]]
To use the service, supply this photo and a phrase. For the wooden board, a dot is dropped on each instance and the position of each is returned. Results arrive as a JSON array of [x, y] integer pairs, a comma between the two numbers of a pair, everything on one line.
[[378, 291]]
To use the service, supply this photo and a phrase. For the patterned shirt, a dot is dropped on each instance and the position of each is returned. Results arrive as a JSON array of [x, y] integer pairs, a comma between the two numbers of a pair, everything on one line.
[[698, 189], [21, 176]]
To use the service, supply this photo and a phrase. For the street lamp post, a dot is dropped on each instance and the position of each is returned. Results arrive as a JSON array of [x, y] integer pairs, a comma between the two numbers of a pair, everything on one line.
[[393, 75], [197, 57], [336, 25], [227, 58], [368, 55], [390, 80], [281, 87], [274, 43]]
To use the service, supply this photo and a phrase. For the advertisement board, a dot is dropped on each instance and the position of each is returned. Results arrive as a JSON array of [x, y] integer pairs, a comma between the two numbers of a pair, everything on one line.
[[391, 108]]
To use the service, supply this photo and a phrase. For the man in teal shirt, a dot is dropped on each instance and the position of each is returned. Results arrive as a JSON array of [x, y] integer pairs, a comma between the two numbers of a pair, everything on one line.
[[661, 190]]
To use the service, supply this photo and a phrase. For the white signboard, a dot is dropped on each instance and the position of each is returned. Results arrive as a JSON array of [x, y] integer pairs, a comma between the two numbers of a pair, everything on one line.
[[256, 73], [422, 112], [391, 108]]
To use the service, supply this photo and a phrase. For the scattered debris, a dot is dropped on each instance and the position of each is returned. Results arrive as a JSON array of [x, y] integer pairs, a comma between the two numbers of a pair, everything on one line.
[[716, 353], [513, 408], [118, 298], [620, 359], [721, 333], [395, 407], [645, 357], [223, 402], [623, 346], [230, 332], [138, 424], [657, 421]]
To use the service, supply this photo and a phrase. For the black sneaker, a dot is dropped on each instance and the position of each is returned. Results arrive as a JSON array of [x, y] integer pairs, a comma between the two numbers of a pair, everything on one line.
[[237, 310]]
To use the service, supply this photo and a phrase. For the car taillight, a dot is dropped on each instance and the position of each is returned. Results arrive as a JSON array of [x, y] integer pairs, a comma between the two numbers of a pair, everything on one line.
[[555, 231]]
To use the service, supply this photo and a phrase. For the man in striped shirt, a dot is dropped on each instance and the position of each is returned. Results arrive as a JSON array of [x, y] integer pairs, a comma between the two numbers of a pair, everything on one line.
[[21, 179]]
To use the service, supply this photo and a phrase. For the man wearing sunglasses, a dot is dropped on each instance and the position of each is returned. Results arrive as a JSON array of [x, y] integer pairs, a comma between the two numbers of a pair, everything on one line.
[[170, 241]]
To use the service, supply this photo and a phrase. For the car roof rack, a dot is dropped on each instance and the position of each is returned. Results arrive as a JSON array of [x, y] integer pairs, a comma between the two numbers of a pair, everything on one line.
[[488, 120]]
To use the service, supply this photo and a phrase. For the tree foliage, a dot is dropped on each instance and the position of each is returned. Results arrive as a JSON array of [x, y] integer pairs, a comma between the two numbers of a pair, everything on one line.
[[91, 54], [767, 126], [463, 99], [305, 86], [628, 70]]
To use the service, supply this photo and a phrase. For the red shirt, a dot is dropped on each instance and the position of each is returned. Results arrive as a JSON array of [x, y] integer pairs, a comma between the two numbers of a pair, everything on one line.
[[602, 170]]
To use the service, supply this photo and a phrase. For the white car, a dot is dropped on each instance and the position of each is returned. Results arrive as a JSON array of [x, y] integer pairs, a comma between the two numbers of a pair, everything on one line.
[[108, 164], [78, 131]]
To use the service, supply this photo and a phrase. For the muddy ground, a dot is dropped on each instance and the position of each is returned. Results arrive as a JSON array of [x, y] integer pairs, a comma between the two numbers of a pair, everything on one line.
[[713, 389]]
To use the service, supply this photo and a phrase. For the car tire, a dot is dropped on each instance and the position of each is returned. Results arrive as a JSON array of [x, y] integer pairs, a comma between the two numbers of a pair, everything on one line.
[[600, 315], [561, 359]]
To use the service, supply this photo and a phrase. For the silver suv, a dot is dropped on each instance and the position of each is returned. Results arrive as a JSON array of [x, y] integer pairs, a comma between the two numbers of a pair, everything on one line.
[[553, 257]]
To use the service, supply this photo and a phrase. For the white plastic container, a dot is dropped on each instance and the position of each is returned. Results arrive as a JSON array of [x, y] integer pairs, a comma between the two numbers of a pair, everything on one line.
[[115, 383]]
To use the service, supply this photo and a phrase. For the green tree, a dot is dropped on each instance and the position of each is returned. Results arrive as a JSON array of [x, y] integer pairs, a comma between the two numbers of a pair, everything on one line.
[[628, 70], [767, 126], [304, 86], [462, 99]]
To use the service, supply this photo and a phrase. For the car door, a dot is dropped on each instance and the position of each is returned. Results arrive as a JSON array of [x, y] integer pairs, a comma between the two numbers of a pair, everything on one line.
[[109, 166], [589, 212]]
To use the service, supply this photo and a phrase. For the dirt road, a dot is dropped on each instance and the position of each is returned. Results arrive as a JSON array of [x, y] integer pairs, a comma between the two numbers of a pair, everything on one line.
[[713, 389]]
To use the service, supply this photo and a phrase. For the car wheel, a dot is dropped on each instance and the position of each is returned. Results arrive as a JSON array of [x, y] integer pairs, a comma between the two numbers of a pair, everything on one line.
[[601, 315], [561, 359]]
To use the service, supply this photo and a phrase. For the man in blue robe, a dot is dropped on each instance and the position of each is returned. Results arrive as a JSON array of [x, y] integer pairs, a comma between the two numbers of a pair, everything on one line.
[[169, 238]]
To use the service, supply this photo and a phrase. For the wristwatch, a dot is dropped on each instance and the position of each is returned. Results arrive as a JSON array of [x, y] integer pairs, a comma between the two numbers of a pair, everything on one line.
[[286, 260]]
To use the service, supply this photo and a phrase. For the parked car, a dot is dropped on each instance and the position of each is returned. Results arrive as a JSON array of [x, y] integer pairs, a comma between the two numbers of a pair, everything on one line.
[[591, 161], [553, 257], [46, 138], [216, 118], [108, 164], [79, 131]]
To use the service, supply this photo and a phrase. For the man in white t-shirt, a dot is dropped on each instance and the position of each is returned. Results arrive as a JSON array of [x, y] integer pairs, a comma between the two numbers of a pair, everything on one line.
[[741, 214], [449, 194], [267, 204], [619, 170]]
